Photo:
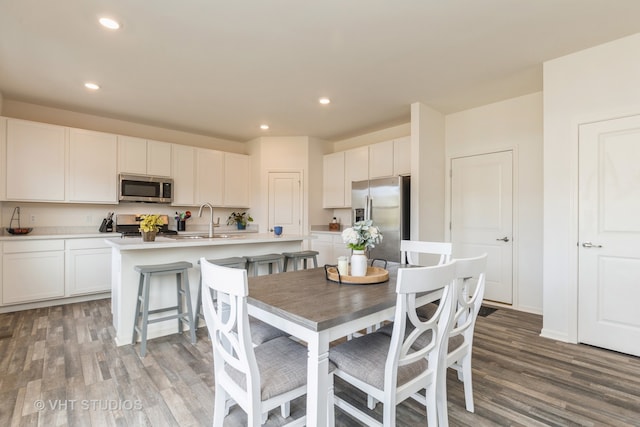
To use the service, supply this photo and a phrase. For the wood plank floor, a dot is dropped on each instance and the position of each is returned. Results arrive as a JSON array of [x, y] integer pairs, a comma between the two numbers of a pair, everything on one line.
[[59, 366]]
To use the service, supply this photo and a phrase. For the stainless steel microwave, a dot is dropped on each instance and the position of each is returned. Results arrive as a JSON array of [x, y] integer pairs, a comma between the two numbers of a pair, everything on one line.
[[145, 188]]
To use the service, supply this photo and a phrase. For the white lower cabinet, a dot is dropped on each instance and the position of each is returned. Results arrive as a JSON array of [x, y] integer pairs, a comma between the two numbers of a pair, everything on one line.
[[87, 266], [330, 247], [32, 271], [40, 270]]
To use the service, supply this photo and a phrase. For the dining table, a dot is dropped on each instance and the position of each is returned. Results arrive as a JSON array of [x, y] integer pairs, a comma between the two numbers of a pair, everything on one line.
[[317, 310]]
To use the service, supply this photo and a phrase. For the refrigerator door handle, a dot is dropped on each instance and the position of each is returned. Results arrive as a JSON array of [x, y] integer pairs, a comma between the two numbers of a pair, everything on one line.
[[369, 207]]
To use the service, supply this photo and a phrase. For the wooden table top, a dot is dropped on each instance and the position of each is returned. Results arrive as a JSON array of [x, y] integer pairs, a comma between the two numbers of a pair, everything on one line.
[[307, 298]]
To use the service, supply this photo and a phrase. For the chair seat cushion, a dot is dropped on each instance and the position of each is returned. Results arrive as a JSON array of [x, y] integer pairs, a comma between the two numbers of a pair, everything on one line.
[[424, 339], [365, 358], [427, 311], [262, 332], [282, 364]]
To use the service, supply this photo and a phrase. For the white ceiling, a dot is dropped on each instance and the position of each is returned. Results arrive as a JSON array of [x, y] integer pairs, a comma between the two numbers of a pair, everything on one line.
[[221, 68]]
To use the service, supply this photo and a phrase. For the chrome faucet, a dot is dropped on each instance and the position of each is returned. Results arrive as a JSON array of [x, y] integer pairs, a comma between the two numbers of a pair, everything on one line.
[[211, 221]]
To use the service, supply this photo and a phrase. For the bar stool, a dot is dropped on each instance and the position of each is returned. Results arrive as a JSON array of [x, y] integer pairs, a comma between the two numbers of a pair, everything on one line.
[[268, 259], [300, 255], [180, 269], [235, 262]]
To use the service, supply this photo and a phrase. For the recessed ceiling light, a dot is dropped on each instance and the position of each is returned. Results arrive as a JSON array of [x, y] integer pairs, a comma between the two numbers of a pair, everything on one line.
[[91, 86], [109, 23], [264, 127], [324, 101]]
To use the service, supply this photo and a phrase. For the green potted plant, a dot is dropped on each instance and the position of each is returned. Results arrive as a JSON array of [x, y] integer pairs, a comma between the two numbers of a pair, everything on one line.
[[240, 219], [149, 226]]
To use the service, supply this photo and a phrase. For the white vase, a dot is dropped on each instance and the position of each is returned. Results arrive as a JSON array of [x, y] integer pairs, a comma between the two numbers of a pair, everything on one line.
[[358, 263]]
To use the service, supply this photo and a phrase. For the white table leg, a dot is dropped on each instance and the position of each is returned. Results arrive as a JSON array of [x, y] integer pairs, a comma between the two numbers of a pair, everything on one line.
[[317, 380]]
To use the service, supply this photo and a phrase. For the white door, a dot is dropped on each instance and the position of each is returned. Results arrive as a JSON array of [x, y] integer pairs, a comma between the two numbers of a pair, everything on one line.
[[285, 208], [482, 217], [609, 235]]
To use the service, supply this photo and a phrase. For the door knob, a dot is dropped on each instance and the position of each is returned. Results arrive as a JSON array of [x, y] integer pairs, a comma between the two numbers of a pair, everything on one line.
[[590, 245], [504, 239]]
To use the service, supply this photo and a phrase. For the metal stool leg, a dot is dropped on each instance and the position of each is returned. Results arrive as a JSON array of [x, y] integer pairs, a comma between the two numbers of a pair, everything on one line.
[[187, 294], [145, 315], [179, 294], [137, 315]]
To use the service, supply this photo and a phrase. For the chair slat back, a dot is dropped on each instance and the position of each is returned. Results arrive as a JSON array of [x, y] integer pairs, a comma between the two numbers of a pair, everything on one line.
[[224, 301], [470, 292], [439, 280], [409, 250]]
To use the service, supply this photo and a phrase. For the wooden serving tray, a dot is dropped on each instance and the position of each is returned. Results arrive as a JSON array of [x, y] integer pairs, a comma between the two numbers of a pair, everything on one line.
[[374, 275]]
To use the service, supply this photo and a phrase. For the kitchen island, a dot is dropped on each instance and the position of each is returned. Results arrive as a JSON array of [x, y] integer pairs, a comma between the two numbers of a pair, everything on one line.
[[129, 252]]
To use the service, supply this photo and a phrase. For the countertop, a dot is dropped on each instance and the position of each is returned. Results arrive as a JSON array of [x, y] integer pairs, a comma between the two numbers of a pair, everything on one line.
[[47, 233], [136, 243]]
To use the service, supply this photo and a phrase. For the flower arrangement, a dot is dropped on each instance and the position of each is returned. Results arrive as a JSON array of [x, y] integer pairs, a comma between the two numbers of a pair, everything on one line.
[[363, 235], [239, 218], [150, 222]]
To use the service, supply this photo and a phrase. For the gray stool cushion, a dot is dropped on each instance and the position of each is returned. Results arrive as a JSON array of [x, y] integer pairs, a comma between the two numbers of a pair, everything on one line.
[[162, 268], [301, 254], [265, 258], [234, 261]]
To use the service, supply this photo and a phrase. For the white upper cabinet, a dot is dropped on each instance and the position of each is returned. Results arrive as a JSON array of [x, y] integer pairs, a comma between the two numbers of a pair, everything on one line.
[[402, 156], [333, 177], [356, 168], [143, 157], [237, 174], [92, 167], [183, 174], [158, 158], [201, 175], [132, 155], [381, 159], [35, 161], [209, 176]]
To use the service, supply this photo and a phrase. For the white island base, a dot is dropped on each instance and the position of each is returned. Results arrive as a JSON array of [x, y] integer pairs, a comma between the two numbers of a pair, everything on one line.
[[129, 252]]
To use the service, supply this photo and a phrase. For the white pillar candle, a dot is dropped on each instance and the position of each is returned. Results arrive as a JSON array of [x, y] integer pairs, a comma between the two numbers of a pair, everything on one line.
[[343, 266]]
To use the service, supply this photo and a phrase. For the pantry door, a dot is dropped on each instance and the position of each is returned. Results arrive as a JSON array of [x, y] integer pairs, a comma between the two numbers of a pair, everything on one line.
[[609, 235], [285, 196], [482, 217]]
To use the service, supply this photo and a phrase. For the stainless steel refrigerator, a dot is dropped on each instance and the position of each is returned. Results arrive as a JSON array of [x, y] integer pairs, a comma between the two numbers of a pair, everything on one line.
[[385, 201]]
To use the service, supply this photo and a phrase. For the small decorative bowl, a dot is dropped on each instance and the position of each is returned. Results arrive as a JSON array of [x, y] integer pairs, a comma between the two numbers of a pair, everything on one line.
[[19, 230]]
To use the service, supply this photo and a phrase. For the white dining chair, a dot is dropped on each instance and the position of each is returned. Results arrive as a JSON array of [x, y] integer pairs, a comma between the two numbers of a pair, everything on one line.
[[260, 378], [410, 250], [470, 282], [387, 367]]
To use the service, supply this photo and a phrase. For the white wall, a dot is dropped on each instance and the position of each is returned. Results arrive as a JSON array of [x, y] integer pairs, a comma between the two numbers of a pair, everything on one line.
[[373, 137], [595, 84], [427, 173], [286, 154], [514, 124]]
